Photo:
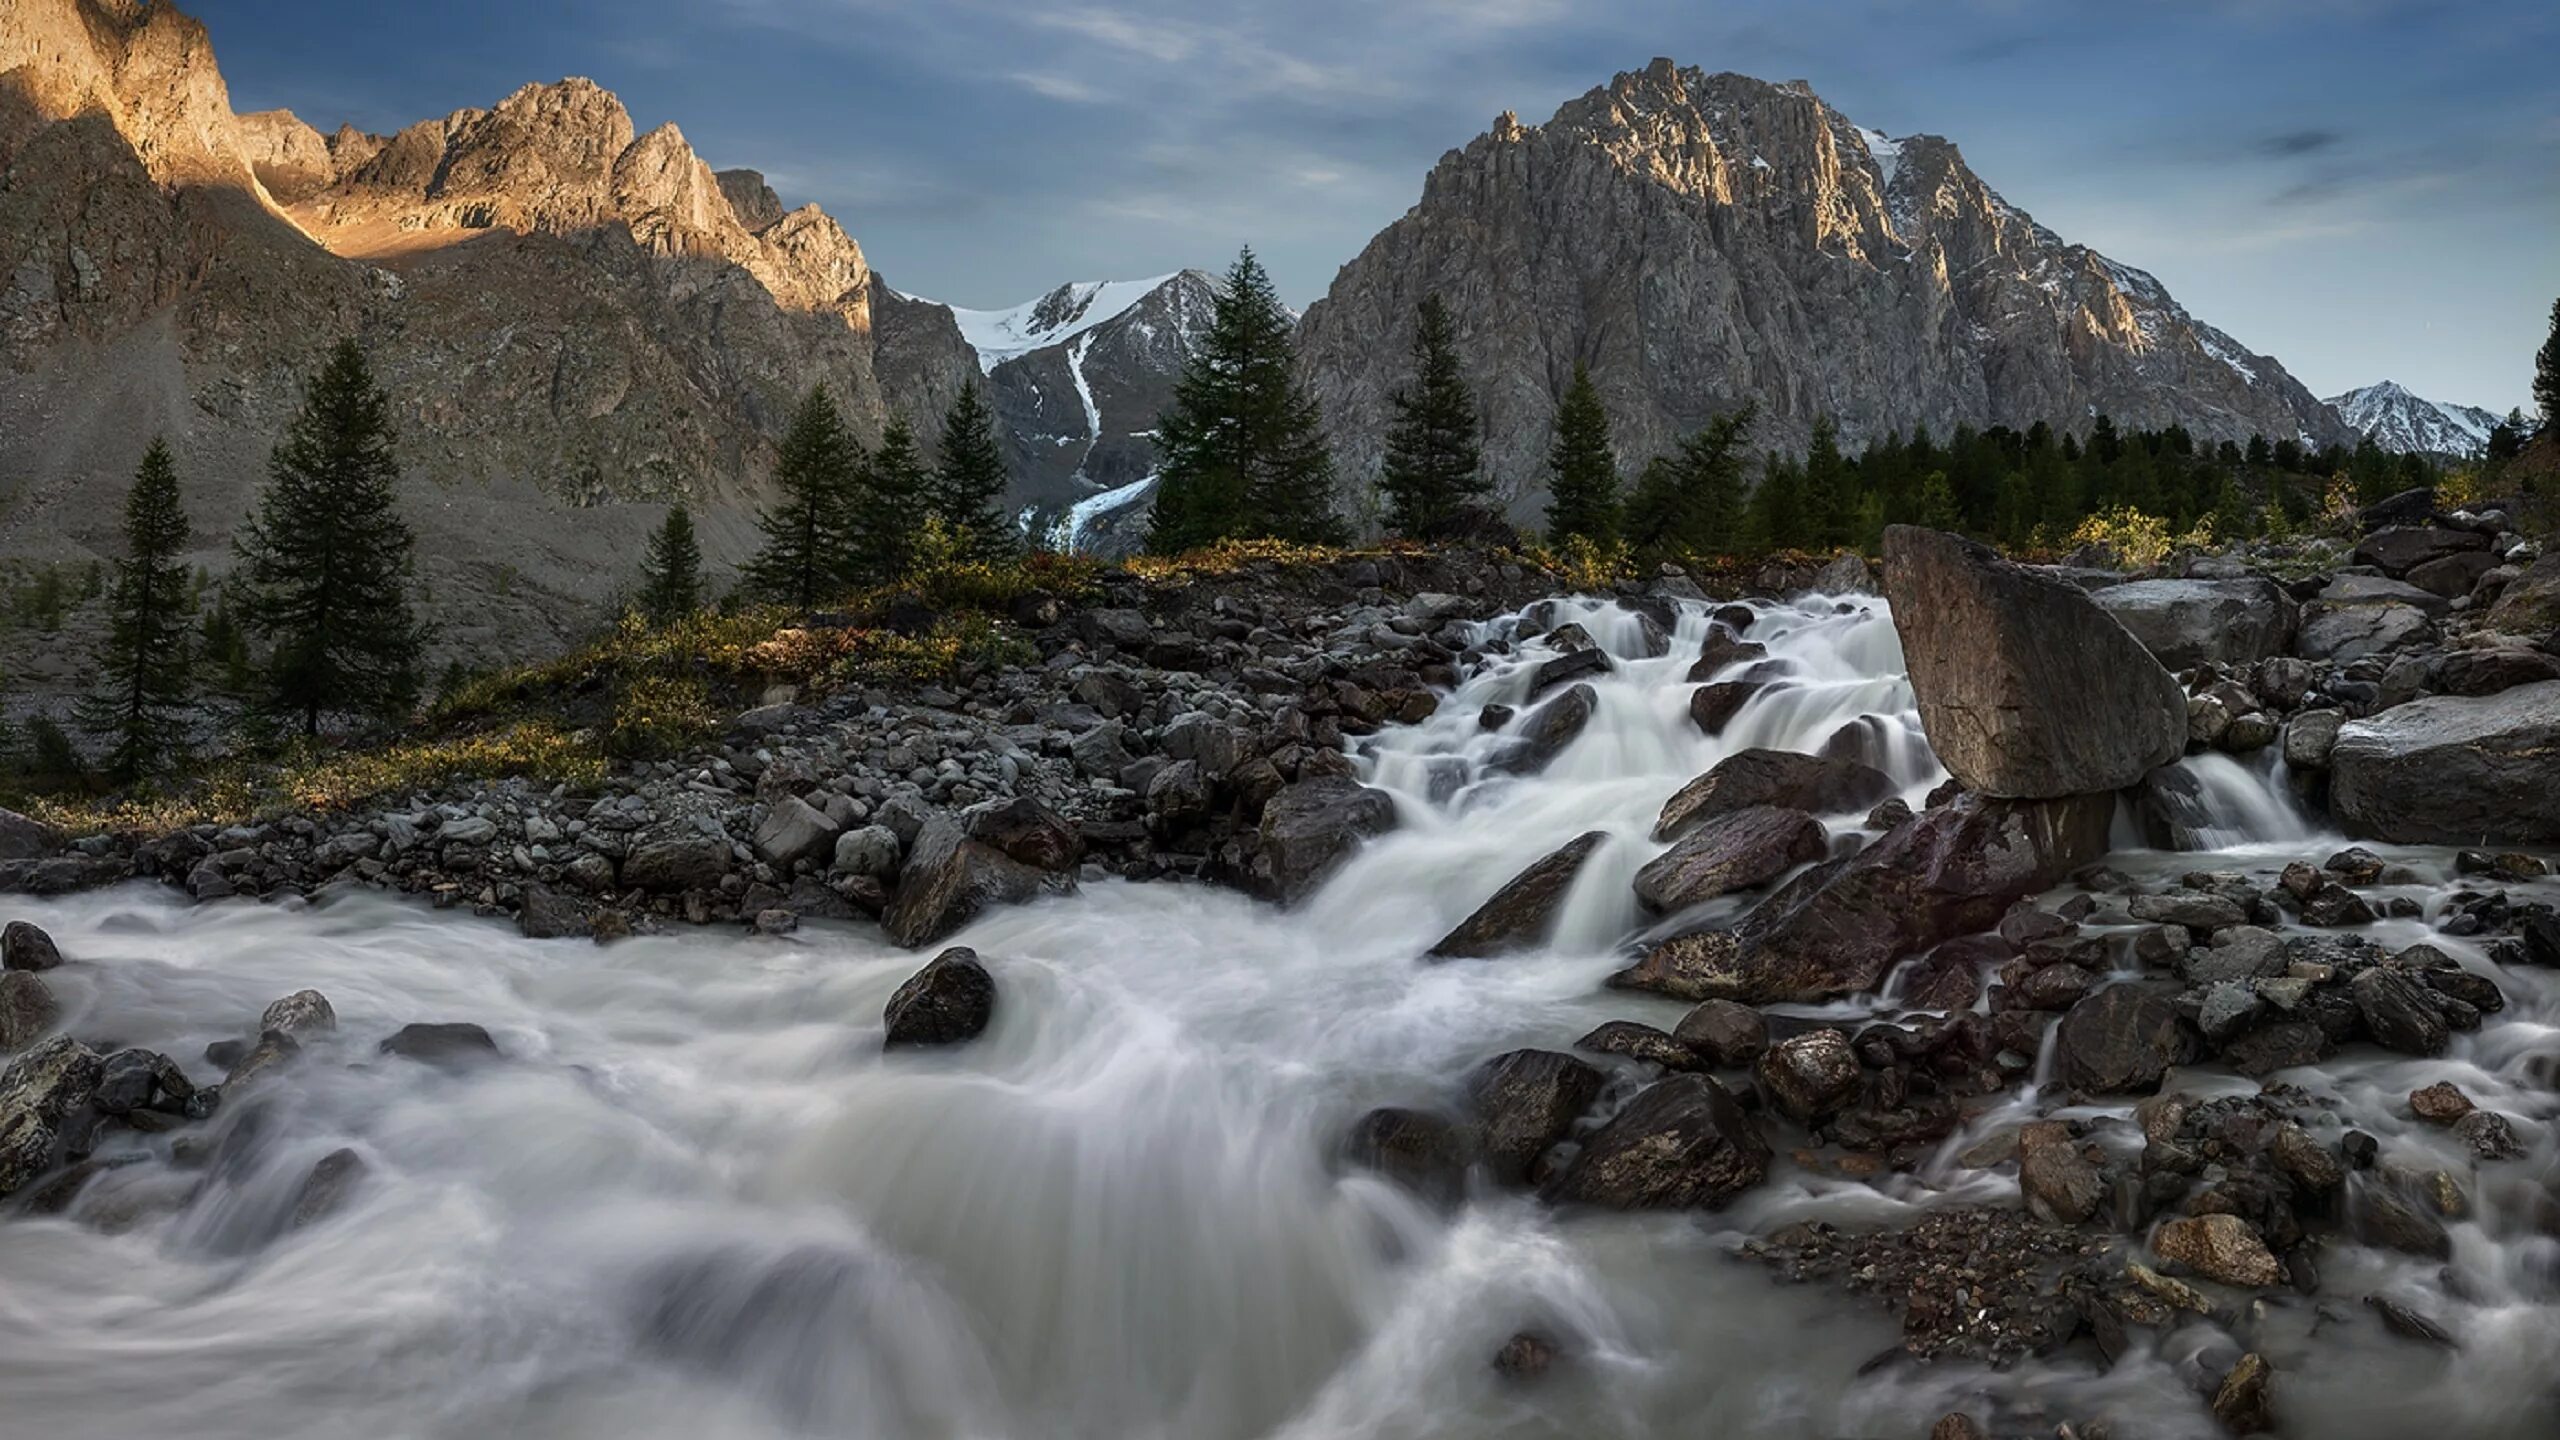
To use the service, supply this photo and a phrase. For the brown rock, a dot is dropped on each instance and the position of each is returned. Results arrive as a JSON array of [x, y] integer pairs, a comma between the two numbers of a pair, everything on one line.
[[2218, 1247], [1523, 911], [1738, 850], [2440, 1103]]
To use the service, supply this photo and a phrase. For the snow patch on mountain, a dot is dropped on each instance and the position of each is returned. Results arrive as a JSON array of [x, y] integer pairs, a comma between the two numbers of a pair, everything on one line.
[[2406, 423], [1062, 314]]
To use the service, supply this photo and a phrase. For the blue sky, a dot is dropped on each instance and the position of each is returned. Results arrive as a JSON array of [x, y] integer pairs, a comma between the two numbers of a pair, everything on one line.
[[2362, 188]]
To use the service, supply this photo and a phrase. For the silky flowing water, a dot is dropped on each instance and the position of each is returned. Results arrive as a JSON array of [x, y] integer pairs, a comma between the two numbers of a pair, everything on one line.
[[696, 1199]]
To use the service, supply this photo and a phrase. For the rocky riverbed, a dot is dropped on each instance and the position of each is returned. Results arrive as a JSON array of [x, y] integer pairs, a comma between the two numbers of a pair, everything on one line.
[[2120, 1005]]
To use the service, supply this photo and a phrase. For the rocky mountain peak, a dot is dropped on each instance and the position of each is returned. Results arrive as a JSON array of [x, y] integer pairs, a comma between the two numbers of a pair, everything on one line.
[[1789, 259], [2407, 423], [754, 202]]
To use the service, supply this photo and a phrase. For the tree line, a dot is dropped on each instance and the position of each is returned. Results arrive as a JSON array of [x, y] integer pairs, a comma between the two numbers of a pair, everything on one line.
[[1243, 454]]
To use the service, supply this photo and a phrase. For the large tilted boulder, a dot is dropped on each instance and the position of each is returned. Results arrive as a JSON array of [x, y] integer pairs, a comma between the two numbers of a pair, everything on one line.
[[2186, 623], [1735, 851], [1523, 911], [1836, 929], [1311, 827], [2453, 770], [950, 880], [2028, 690], [1683, 1142], [1821, 784]]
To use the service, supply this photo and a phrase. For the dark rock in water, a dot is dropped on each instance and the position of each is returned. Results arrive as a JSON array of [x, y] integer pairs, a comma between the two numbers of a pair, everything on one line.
[[1895, 811], [1683, 1142], [1524, 1356], [304, 1012], [1027, 831], [1524, 1102], [27, 1009], [2490, 1135], [2060, 1186], [2334, 905], [1738, 850], [325, 1190], [2278, 1045], [2408, 1324], [1773, 777], [546, 914], [2399, 549], [1725, 1033], [2187, 623], [2027, 689], [1494, 717], [1546, 731], [2223, 1248], [2244, 1402], [1713, 707], [132, 1080], [2122, 1040], [25, 947], [1723, 649], [1423, 1152], [272, 1051], [949, 880], [447, 1044], [1957, 1425], [1567, 668], [39, 1094], [1810, 1077], [2453, 770], [1310, 827], [674, 858], [1867, 739], [1641, 1042], [1837, 929], [1522, 912], [1950, 976], [2398, 1013], [950, 1000], [2379, 1215]]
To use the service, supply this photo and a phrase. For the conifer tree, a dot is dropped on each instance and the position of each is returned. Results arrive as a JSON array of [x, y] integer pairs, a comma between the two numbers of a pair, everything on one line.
[[1582, 469], [145, 669], [1691, 502], [326, 558], [1242, 450], [1434, 470], [2546, 374], [811, 553], [969, 478], [897, 493], [671, 575], [1828, 500]]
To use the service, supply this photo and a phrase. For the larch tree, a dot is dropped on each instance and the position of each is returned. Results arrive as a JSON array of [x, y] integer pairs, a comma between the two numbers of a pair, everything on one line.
[[671, 573], [146, 691], [1433, 476], [969, 479], [1582, 466], [325, 559], [897, 493], [1242, 451], [811, 553]]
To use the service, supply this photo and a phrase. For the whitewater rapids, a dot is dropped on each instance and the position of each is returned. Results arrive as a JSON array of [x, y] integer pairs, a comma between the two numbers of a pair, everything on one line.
[[697, 1200]]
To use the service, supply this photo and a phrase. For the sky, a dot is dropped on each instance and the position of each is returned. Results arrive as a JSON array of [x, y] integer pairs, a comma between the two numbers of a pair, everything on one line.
[[2365, 189]]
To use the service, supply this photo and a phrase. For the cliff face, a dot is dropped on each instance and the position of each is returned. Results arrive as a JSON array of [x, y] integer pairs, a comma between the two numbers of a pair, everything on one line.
[[1706, 241], [569, 316]]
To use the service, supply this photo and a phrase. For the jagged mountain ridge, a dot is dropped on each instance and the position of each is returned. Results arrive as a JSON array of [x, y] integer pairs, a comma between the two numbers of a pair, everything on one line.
[[570, 316], [2407, 424], [1078, 377], [1705, 241]]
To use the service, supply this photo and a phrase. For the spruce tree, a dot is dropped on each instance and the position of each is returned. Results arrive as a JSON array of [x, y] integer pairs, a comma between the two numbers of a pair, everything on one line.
[[811, 554], [671, 575], [1829, 501], [896, 493], [2546, 375], [1582, 469], [145, 669], [969, 479], [1242, 451], [326, 558], [1434, 471]]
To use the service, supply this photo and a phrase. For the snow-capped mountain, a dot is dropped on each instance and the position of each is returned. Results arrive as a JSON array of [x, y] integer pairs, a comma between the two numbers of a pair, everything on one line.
[[1078, 376], [2412, 424]]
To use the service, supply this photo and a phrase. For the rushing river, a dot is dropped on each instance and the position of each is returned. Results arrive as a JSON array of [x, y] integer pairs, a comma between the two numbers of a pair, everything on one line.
[[697, 1202]]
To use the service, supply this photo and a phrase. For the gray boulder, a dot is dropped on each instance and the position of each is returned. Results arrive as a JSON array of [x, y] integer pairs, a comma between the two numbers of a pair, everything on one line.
[[676, 857], [24, 946], [27, 1009], [1522, 912], [950, 880], [1311, 827], [25, 839], [2399, 549], [870, 850], [1682, 1143], [2351, 632], [2186, 623], [793, 830], [2027, 689], [1739, 850], [2453, 770], [1544, 733], [2122, 1040], [1524, 1102], [38, 1093]]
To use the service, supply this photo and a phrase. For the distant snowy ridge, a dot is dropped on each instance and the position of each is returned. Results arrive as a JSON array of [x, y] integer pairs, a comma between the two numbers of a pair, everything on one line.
[[2406, 423], [1062, 314]]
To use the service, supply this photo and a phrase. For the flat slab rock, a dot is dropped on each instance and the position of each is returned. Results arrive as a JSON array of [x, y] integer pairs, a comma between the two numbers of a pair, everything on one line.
[[2453, 769]]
